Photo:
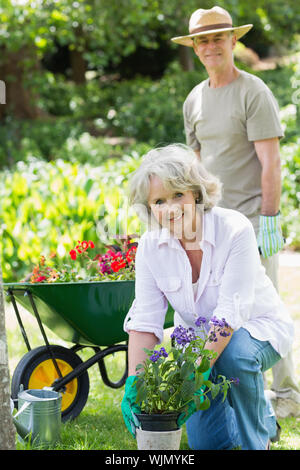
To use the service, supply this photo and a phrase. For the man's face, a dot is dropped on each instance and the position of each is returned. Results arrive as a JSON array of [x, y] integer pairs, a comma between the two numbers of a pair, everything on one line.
[[215, 50]]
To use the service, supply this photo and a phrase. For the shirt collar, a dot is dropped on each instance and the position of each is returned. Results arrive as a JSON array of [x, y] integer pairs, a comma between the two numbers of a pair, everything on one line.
[[208, 233]]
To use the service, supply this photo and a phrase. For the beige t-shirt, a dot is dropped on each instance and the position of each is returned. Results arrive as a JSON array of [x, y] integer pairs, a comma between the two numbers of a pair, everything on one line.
[[223, 124]]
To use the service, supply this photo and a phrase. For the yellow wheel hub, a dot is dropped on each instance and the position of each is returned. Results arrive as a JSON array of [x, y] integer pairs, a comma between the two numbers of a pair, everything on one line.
[[45, 374]]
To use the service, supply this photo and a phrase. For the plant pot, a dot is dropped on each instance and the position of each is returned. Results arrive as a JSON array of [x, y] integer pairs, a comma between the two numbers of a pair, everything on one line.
[[158, 440], [158, 422], [158, 431]]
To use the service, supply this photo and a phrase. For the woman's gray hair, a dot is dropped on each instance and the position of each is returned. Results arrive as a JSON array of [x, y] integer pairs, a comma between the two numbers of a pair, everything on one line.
[[180, 170]]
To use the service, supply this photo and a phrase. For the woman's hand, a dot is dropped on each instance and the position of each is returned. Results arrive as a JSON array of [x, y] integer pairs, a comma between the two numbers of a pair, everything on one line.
[[136, 355], [129, 406]]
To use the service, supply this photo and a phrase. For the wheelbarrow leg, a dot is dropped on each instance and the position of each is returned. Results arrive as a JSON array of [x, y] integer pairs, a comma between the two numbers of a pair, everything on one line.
[[25, 337], [43, 333]]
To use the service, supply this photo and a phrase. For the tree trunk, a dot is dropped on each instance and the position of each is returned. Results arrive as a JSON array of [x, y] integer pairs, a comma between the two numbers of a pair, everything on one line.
[[185, 58], [20, 97], [78, 64], [7, 430]]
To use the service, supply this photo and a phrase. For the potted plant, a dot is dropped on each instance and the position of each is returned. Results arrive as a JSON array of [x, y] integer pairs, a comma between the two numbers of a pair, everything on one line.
[[170, 384]]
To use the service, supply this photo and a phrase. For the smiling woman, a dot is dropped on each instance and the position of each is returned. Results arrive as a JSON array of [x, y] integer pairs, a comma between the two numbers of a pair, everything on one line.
[[170, 183], [175, 211]]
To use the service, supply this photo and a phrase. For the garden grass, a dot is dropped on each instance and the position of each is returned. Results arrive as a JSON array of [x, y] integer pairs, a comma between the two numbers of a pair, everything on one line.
[[100, 425]]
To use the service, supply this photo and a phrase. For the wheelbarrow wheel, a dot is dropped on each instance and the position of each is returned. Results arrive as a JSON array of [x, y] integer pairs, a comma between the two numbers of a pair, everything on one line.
[[36, 370]]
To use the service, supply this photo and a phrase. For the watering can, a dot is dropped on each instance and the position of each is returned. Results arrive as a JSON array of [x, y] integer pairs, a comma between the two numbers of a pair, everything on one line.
[[39, 416]]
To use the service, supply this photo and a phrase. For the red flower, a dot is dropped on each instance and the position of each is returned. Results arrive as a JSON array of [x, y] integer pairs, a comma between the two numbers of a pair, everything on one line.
[[109, 254], [40, 278], [130, 254], [117, 265], [91, 244], [84, 245], [73, 254]]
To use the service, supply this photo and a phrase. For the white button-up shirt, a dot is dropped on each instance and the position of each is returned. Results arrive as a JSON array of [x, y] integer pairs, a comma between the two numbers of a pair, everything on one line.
[[232, 282]]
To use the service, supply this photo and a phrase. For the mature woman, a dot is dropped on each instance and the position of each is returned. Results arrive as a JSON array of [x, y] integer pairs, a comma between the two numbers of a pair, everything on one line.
[[204, 260]]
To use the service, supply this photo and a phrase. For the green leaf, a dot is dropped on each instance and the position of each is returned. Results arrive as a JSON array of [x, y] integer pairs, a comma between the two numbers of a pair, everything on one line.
[[139, 382], [164, 395], [187, 389], [204, 405], [225, 390], [141, 394], [207, 383], [175, 353], [149, 352], [215, 389], [198, 380], [204, 366], [165, 367], [186, 370], [88, 185]]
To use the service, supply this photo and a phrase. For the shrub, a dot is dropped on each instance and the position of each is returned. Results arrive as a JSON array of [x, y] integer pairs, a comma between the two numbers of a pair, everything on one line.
[[45, 206]]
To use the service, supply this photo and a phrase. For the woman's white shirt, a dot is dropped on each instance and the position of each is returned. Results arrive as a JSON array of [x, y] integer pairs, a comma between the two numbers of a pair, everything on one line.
[[232, 282]]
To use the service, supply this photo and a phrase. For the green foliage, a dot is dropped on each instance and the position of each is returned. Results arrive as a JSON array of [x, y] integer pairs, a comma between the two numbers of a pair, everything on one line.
[[22, 139], [151, 111], [107, 31], [46, 206], [291, 192]]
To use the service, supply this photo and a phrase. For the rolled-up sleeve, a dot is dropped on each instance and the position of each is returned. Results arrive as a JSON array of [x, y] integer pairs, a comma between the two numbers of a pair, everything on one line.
[[237, 289], [148, 310]]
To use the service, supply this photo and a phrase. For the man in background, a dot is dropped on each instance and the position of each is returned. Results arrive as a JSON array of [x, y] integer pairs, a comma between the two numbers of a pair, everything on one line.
[[232, 122]]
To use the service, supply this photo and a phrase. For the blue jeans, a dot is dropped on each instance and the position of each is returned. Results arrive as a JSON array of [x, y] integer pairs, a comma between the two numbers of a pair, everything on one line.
[[245, 418]]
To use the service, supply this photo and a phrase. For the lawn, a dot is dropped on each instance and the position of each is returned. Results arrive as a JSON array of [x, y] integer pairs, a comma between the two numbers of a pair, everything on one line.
[[100, 426]]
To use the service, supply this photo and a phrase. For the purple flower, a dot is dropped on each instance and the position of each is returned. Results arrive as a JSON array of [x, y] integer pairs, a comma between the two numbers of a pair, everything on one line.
[[200, 321], [183, 336], [235, 380], [104, 268], [220, 323], [220, 326], [163, 352], [225, 333], [212, 337], [157, 354]]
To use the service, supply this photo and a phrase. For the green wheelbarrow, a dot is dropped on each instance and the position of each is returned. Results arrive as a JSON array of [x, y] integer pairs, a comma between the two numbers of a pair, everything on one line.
[[87, 314]]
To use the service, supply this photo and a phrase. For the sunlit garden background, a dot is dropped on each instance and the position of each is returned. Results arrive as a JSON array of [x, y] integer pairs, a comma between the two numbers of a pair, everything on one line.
[[90, 86]]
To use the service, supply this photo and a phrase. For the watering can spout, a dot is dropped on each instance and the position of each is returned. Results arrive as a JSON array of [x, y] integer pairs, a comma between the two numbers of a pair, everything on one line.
[[23, 432], [21, 429]]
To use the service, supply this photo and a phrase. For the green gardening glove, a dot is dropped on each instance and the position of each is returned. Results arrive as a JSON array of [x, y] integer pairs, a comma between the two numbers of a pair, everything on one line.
[[269, 239], [184, 416], [129, 406]]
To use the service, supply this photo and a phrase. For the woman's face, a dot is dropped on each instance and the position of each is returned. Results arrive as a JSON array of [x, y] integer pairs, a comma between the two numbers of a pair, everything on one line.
[[173, 209]]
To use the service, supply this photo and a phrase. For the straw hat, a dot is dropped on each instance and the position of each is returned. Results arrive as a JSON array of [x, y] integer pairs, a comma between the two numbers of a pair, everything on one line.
[[210, 21]]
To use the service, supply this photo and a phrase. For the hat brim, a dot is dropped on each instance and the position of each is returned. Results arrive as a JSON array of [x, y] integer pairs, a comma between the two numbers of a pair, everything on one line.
[[188, 40]]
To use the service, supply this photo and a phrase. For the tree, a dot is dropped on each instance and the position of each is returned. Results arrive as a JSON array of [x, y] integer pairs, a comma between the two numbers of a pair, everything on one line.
[[7, 431], [100, 32]]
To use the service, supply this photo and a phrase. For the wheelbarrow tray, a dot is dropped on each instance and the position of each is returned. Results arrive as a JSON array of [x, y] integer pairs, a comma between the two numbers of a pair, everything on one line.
[[86, 313]]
